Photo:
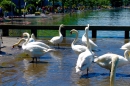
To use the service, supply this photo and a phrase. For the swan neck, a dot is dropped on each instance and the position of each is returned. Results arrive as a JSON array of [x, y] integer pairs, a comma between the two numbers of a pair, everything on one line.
[[60, 31], [75, 40], [126, 55], [19, 42], [28, 37], [115, 60], [87, 38]]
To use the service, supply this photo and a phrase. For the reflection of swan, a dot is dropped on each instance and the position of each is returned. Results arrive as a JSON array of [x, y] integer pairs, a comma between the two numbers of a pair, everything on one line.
[[57, 39], [34, 51], [92, 44], [111, 61], [126, 46], [77, 48], [56, 55], [85, 58], [33, 40], [33, 72]]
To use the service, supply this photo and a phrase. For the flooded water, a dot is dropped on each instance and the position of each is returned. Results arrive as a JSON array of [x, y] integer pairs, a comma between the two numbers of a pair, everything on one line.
[[58, 68]]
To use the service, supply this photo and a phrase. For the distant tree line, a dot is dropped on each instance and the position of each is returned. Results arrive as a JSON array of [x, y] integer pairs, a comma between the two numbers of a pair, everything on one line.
[[7, 4]]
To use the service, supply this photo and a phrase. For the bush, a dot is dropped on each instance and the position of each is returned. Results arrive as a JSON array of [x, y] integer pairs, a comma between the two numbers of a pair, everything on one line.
[[6, 5], [33, 7]]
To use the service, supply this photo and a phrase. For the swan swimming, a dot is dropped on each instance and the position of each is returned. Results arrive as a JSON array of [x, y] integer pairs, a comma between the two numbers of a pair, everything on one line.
[[85, 58], [112, 61], [57, 39], [84, 41], [34, 51], [77, 48]]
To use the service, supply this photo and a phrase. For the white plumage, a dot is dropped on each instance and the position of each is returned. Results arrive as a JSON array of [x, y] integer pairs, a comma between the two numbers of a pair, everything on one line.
[[57, 39], [84, 41], [33, 50], [112, 61], [126, 46], [85, 58], [33, 41], [77, 48]]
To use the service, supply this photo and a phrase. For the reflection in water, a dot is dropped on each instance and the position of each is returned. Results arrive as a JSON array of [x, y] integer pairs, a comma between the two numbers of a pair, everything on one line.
[[62, 71], [57, 55], [33, 71]]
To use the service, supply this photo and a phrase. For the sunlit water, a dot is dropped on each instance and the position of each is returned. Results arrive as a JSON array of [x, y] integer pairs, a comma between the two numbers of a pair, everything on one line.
[[58, 68], [112, 17]]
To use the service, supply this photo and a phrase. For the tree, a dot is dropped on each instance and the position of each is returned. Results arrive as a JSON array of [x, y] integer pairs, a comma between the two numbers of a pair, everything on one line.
[[116, 3], [6, 5]]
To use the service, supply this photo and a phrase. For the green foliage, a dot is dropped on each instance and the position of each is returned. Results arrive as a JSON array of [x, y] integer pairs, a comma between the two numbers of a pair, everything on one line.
[[31, 5], [6, 5]]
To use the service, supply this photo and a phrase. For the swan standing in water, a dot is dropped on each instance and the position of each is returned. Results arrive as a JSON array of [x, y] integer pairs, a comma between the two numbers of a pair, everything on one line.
[[112, 61], [35, 42], [57, 39], [77, 48], [34, 51], [85, 58], [84, 41]]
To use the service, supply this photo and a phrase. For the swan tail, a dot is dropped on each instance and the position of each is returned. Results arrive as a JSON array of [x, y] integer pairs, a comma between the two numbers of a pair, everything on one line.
[[78, 70]]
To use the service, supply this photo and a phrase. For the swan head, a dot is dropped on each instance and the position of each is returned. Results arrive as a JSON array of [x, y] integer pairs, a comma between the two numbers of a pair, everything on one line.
[[87, 27], [62, 25], [16, 44], [32, 36], [73, 30], [25, 34]]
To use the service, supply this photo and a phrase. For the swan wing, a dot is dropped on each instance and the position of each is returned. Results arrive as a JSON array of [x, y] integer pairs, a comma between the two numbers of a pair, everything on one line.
[[104, 60], [31, 40], [40, 44], [92, 44], [84, 61], [126, 46], [79, 48], [56, 39]]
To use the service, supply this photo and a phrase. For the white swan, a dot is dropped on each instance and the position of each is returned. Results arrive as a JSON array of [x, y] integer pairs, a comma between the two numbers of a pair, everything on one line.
[[57, 39], [32, 38], [84, 41], [32, 50], [126, 46], [77, 48], [112, 61], [35, 42], [85, 58]]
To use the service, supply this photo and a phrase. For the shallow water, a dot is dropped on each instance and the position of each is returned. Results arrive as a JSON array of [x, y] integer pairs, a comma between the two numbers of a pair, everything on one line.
[[58, 68]]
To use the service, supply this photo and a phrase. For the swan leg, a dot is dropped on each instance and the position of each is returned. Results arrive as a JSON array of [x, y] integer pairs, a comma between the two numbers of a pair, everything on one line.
[[32, 60], [87, 71], [58, 46], [36, 59]]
